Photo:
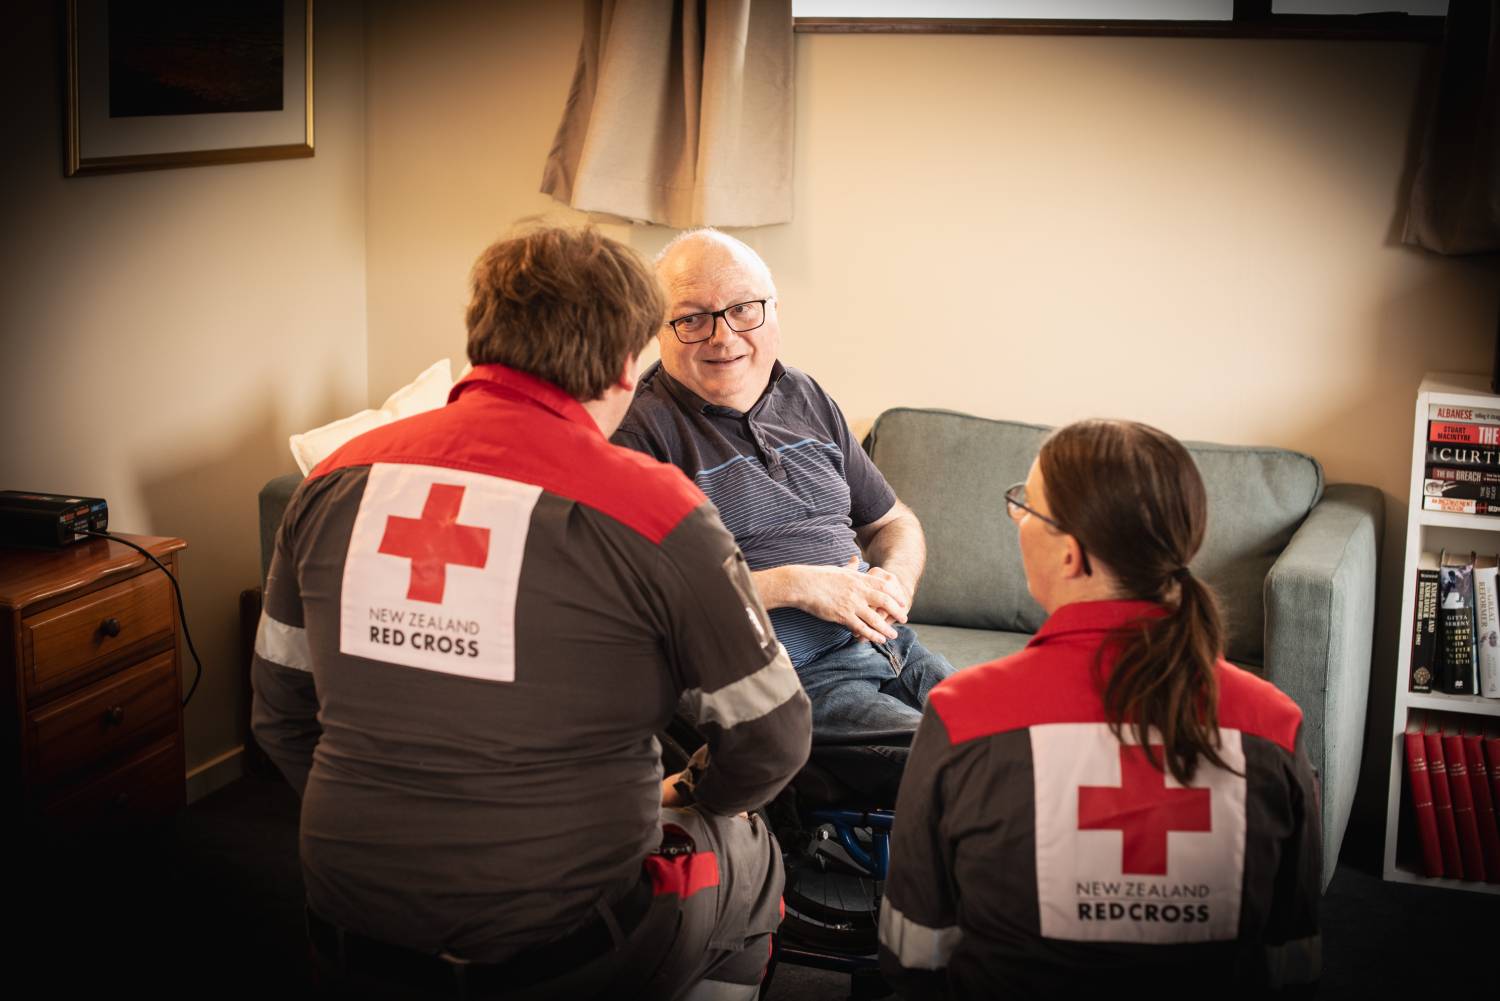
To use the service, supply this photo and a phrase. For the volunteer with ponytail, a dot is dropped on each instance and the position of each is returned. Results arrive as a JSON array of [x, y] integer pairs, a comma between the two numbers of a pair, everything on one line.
[[1115, 806]]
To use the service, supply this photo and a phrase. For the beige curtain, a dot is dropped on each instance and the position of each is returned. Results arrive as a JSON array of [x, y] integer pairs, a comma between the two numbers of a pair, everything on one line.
[[1455, 195], [680, 113]]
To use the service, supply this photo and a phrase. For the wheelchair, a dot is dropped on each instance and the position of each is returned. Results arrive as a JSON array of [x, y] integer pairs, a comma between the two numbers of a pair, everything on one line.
[[833, 823]]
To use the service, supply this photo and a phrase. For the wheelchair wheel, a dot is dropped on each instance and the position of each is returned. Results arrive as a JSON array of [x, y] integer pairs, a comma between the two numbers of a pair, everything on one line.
[[832, 902]]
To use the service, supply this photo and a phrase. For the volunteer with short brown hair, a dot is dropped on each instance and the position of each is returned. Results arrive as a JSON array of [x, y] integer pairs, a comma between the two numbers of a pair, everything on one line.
[[476, 620]]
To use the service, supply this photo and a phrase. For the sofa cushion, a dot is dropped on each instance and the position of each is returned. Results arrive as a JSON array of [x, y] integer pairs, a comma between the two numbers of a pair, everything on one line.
[[953, 469]]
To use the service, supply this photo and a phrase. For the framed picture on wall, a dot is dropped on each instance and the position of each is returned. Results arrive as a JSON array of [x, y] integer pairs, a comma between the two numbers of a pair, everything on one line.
[[182, 83]]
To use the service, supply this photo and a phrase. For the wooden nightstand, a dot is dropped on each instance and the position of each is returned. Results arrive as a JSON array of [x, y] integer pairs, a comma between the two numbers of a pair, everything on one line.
[[93, 712]]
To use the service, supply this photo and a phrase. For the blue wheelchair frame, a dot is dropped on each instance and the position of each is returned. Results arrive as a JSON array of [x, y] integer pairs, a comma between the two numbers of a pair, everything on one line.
[[863, 970]]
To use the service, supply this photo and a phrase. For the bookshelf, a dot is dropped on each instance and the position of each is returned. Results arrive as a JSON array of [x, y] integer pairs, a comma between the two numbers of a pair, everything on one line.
[[1430, 531]]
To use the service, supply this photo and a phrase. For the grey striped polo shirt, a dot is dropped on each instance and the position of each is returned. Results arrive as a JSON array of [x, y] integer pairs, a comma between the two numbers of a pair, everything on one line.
[[789, 480]]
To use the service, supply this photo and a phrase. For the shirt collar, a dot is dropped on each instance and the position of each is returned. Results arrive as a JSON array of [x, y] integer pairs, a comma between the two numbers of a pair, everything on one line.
[[517, 385], [1094, 617], [692, 401]]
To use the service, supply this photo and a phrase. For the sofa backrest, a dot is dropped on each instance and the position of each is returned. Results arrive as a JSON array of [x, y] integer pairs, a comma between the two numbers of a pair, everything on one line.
[[953, 469]]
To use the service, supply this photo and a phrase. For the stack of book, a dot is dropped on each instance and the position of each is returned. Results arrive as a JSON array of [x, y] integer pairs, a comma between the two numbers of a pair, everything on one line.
[[1463, 460], [1455, 642], [1455, 789]]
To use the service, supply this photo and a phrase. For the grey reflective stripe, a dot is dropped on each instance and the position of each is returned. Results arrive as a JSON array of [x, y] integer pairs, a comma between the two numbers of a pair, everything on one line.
[[747, 699], [1297, 962], [282, 644], [915, 946], [720, 990]]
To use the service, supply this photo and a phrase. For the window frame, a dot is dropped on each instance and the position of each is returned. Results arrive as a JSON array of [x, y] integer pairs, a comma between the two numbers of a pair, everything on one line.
[[1251, 19]]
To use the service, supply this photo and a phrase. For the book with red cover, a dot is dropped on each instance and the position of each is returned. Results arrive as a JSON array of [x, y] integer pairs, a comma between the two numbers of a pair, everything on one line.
[[1421, 801], [1462, 794], [1442, 805], [1492, 756], [1463, 433], [1484, 806]]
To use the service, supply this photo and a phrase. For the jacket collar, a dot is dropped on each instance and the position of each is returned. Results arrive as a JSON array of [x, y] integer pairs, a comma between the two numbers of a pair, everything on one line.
[[1094, 617], [516, 385]]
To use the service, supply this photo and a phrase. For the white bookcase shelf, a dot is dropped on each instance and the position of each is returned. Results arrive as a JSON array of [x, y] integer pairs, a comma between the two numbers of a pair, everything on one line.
[[1430, 531]]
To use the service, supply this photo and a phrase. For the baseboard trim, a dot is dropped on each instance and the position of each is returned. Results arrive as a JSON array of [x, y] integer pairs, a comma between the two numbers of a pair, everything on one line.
[[213, 775]]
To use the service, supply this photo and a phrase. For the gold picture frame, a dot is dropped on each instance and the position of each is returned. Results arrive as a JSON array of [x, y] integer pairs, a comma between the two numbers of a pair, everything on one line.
[[135, 103]]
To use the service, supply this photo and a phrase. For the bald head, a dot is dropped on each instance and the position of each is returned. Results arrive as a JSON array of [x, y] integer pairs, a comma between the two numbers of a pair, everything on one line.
[[705, 271], [691, 248]]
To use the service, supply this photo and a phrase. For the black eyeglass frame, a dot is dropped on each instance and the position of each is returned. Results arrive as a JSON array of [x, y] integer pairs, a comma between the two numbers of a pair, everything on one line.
[[1011, 502], [721, 314]]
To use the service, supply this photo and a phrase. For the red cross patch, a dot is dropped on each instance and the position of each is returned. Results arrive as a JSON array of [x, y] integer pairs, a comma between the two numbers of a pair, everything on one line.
[[435, 540], [1143, 810]]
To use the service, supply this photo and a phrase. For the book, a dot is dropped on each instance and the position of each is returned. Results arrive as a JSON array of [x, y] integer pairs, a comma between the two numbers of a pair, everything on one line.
[[1486, 627], [1462, 794], [1461, 490], [1442, 805], [1492, 762], [1421, 802], [1484, 805], [1455, 669], [1424, 635], [1473, 415], [1479, 456], [1459, 505], [1463, 434], [1457, 474]]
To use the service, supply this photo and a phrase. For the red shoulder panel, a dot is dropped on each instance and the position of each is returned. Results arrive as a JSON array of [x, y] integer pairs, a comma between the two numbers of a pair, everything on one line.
[[1055, 684], [486, 432]]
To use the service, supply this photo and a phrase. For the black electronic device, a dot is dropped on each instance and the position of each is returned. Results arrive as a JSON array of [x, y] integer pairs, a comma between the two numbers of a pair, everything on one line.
[[48, 521]]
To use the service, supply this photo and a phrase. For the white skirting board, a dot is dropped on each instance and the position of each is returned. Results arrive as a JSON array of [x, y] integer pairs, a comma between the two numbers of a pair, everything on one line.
[[213, 775]]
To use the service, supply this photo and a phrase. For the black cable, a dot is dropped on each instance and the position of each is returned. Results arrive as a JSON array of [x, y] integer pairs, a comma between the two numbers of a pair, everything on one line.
[[181, 611]]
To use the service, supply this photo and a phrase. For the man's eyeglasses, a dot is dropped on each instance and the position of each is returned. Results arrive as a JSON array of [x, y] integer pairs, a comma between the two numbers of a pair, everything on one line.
[[1017, 508], [741, 317]]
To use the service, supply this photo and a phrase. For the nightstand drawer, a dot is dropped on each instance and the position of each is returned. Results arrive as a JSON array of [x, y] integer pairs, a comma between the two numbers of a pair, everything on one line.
[[70, 639], [104, 720], [148, 789]]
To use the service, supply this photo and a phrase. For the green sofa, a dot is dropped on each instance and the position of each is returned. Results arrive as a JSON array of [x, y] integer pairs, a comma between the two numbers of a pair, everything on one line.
[[1293, 560]]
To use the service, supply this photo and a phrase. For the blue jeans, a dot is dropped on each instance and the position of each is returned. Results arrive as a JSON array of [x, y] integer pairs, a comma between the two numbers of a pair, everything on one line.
[[864, 688], [872, 693]]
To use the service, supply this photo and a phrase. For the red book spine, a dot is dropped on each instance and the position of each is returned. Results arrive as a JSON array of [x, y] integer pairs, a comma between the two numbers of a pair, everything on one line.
[[1467, 434], [1463, 807], [1442, 805], [1421, 801], [1484, 807], [1492, 753]]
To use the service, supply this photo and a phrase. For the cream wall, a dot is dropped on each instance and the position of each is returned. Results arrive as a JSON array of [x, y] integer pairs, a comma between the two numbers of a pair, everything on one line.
[[1195, 233], [164, 331]]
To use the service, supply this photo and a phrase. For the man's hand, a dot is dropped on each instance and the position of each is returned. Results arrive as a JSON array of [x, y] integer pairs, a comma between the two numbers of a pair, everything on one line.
[[867, 604]]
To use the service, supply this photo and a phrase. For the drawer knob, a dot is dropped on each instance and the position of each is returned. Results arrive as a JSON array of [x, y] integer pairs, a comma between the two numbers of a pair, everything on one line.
[[110, 626], [114, 715]]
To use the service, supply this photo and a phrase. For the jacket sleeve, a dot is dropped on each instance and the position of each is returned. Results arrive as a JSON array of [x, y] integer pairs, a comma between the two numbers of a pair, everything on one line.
[[1293, 942], [737, 685], [284, 710], [919, 916]]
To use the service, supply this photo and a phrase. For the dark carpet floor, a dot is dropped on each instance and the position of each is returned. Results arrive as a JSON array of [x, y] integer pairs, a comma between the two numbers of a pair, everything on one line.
[[212, 907]]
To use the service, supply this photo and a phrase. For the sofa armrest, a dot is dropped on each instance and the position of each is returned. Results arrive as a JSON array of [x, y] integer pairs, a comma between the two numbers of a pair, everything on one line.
[[1320, 620], [274, 497]]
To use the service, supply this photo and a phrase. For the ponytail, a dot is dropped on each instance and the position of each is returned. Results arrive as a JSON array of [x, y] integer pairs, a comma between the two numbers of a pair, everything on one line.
[[1145, 527], [1164, 682]]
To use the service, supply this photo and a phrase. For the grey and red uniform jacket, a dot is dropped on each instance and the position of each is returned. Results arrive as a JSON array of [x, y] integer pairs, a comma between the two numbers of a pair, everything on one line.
[[1034, 851], [476, 619]]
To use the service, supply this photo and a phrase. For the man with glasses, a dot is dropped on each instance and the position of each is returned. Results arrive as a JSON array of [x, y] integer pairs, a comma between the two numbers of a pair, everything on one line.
[[835, 556]]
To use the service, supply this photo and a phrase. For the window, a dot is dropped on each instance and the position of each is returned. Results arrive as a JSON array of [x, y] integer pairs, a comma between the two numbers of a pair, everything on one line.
[[1420, 20]]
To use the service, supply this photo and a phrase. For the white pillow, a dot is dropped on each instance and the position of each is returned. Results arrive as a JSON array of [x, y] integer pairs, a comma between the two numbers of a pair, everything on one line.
[[427, 391]]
